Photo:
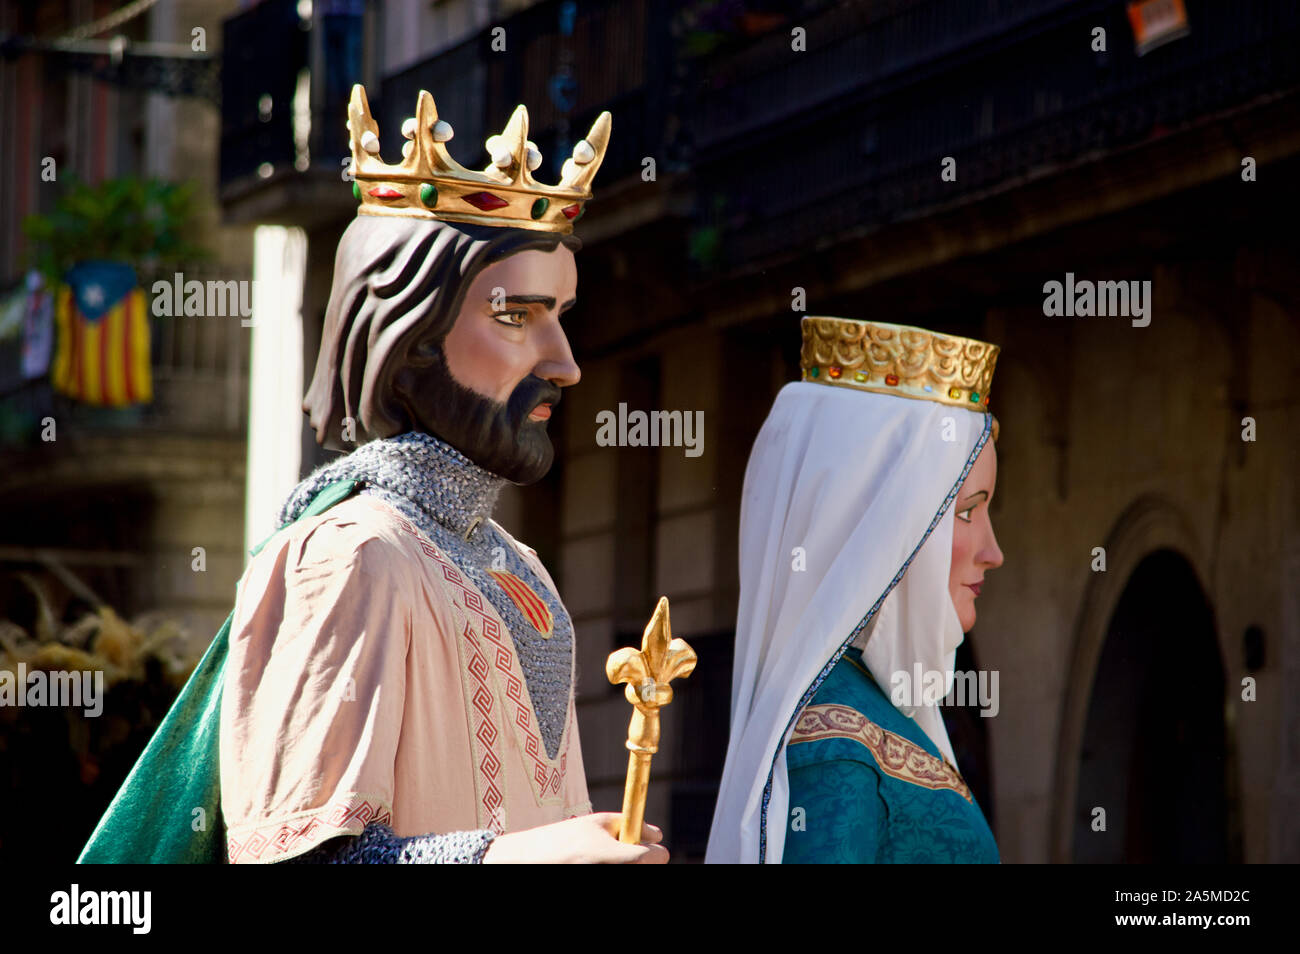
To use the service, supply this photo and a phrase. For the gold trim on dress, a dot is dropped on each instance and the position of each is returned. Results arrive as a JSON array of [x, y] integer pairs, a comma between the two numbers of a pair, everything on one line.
[[897, 756]]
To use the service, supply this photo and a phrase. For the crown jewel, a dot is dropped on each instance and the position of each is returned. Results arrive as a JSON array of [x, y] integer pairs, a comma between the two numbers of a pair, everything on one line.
[[428, 183], [898, 359]]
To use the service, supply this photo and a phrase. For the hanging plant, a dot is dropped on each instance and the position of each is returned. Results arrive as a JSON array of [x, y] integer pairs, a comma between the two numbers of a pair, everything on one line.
[[139, 222]]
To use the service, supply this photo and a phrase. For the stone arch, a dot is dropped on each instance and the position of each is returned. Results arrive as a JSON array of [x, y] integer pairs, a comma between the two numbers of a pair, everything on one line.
[[1151, 523]]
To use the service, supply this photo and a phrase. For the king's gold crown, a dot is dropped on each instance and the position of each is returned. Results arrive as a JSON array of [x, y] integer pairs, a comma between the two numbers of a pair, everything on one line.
[[428, 183]]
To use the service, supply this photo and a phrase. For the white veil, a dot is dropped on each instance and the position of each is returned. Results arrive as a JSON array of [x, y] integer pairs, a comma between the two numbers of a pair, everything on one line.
[[857, 486]]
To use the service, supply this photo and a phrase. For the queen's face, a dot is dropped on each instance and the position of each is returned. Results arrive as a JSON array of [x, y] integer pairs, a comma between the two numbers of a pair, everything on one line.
[[974, 548]]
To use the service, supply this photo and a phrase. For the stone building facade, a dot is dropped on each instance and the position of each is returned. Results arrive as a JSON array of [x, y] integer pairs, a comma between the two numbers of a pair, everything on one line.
[[1121, 689]]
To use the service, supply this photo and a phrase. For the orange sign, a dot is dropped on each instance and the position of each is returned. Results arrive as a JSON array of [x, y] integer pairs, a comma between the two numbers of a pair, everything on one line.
[[1157, 22]]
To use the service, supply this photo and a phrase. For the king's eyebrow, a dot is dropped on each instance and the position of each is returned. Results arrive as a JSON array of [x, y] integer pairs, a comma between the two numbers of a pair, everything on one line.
[[547, 300]]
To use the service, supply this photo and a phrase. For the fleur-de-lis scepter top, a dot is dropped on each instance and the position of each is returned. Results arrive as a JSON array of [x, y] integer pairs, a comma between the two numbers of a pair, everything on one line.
[[647, 672]]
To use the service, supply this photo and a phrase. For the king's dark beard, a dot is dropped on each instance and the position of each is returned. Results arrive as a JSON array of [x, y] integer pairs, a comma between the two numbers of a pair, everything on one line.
[[498, 437]]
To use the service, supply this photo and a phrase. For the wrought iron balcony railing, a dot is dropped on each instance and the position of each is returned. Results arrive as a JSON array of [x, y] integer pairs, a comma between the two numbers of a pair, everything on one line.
[[565, 66], [787, 149], [793, 148], [284, 93], [265, 54]]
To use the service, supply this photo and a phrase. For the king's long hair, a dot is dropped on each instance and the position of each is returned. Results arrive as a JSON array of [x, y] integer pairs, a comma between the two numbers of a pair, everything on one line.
[[398, 286]]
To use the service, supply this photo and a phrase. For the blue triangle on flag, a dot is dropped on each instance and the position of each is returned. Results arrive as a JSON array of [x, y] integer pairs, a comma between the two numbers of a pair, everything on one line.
[[98, 286]]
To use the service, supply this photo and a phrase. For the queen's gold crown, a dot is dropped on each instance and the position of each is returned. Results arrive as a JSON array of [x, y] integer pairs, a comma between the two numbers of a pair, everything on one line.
[[899, 360], [430, 184]]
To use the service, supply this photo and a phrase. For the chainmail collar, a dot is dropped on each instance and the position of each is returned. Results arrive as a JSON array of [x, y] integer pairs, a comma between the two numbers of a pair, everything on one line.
[[429, 472]]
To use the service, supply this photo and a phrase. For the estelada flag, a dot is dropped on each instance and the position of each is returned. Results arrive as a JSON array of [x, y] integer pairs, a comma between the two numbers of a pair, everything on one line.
[[102, 335]]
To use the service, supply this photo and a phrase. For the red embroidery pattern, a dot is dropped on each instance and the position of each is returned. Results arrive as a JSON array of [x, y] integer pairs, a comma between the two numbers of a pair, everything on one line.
[[897, 757], [515, 691], [351, 815], [486, 733], [547, 776]]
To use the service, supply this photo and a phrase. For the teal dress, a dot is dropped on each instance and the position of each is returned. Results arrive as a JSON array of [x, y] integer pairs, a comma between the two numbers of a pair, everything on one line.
[[868, 786]]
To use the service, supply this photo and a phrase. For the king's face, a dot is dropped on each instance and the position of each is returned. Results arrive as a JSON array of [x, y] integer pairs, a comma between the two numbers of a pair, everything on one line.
[[499, 370], [509, 328]]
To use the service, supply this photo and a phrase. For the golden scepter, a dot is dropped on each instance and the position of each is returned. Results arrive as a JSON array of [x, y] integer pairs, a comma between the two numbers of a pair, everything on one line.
[[647, 673]]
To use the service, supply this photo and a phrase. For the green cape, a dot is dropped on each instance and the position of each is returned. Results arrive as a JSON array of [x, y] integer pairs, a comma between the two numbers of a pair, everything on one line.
[[168, 811]]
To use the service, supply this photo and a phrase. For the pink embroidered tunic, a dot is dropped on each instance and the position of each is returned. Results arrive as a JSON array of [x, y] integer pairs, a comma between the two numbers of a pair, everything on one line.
[[369, 680]]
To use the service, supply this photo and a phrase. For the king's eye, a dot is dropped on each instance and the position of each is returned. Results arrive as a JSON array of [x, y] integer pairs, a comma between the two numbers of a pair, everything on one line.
[[514, 318]]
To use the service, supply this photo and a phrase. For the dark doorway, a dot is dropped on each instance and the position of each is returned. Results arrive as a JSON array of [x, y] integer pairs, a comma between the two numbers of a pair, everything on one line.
[[1155, 748]]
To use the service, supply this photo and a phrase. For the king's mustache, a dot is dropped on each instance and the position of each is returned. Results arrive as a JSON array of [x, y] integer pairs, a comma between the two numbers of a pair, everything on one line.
[[531, 392]]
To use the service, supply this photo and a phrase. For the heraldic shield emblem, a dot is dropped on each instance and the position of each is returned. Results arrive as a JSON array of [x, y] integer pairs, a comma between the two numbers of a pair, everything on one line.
[[530, 604]]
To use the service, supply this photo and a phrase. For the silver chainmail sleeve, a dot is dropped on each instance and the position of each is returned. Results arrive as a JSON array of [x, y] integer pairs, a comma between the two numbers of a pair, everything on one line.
[[378, 845]]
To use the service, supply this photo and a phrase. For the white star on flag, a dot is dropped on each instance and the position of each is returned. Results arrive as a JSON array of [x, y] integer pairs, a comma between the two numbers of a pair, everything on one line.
[[93, 296]]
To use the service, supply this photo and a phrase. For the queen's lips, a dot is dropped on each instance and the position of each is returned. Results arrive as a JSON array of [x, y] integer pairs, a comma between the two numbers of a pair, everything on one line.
[[975, 587]]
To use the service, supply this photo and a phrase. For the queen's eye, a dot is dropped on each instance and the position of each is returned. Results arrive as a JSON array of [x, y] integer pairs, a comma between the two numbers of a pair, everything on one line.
[[966, 519], [514, 318]]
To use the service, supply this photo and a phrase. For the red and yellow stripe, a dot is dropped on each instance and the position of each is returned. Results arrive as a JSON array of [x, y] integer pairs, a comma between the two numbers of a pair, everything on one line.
[[103, 362], [530, 604]]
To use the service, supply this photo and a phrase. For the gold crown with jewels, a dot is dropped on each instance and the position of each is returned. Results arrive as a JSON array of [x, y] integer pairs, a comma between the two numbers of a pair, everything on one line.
[[430, 184], [899, 360]]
